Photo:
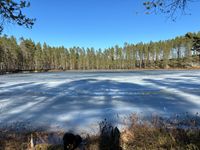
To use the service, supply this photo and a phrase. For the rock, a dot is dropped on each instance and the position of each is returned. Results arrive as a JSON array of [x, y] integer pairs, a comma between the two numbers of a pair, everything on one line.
[[71, 141]]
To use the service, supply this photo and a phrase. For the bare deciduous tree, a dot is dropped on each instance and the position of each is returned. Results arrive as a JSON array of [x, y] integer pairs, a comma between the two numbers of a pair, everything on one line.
[[11, 12], [172, 8]]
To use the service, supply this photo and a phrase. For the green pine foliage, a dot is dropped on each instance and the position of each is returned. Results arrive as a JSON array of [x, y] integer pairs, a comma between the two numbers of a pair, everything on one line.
[[27, 55]]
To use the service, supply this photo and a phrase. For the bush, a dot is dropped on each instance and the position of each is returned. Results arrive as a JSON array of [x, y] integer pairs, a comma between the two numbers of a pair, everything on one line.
[[179, 132]]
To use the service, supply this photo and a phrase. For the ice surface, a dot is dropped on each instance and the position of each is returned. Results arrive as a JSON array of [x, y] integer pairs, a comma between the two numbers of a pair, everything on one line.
[[78, 101]]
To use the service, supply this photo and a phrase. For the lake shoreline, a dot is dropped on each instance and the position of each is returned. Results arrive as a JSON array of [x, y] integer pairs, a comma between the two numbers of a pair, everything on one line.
[[100, 70], [138, 131]]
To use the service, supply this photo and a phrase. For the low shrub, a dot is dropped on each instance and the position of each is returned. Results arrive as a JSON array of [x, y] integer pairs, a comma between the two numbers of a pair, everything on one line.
[[179, 132]]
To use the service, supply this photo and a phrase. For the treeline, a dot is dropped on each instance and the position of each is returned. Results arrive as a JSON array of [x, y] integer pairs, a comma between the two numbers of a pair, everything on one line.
[[31, 56]]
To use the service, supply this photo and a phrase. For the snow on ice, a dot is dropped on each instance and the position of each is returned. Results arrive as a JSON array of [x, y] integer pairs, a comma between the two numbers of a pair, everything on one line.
[[79, 101]]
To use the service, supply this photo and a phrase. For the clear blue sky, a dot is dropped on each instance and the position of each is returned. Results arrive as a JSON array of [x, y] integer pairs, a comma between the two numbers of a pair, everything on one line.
[[100, 23]]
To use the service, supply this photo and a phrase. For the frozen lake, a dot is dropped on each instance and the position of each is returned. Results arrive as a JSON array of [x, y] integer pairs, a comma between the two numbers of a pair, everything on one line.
[[78, 101]]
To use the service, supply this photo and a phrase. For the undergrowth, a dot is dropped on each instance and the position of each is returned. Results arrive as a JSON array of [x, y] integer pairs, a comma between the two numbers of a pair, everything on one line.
[[181, 132]]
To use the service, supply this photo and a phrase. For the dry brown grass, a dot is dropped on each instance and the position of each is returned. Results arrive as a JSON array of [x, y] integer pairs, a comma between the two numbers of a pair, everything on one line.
[[162, 134], [178, 133]]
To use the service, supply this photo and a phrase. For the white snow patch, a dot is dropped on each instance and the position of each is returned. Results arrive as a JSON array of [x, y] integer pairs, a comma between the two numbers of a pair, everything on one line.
[[81, 100]]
